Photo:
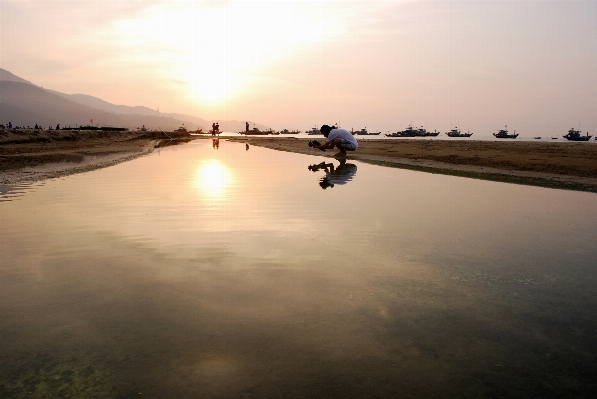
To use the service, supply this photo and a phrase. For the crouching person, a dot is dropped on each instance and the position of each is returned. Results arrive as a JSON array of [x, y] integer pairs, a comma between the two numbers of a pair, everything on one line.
[[341, 139]]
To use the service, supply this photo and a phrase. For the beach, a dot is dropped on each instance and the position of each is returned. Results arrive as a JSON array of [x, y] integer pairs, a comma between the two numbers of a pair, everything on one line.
[[570, 165], [37, 155], [33, 155]]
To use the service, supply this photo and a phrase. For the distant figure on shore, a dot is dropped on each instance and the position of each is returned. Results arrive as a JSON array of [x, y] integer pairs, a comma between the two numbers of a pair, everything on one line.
[[58, 126], [215, 128], [339, 138], [247, 147], [247, 128], [341, 174], [10, 125]]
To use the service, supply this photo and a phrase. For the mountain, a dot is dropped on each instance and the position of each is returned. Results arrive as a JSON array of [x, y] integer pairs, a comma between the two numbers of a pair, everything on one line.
[[23, 105], [9, 77], [100, 104], [94, 102]]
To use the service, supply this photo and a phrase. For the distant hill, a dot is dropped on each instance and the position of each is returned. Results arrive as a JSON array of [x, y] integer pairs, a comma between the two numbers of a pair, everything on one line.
[[9, 77], [23, 106], [100, 104], [94, 102]]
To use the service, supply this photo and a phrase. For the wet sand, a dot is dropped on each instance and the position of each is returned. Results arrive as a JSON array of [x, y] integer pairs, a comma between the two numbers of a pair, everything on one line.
[[568, 165], [31, 155], [37, 155]]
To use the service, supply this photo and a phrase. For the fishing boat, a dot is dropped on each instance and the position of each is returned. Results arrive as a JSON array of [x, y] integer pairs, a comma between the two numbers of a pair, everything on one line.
[[256, 132], [537, 137], [286, 131], [456, 133], [313, 132], [408, 132], [420, 132], [574, 135], [364, 132], [435, 133], [181, 129], [503, 134]]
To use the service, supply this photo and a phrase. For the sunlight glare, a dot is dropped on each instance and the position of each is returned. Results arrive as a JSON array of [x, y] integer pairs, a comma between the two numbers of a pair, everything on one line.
[[217, 50], [213, 178]]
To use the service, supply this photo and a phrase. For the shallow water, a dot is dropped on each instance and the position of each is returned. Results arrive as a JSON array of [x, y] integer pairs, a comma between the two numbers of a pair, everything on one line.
[[203, 272]]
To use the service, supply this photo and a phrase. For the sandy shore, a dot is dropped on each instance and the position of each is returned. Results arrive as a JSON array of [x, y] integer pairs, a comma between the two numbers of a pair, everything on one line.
[[36, 155], [569, 165]]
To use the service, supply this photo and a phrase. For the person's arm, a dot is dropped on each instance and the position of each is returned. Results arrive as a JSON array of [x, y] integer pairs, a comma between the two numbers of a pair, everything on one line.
[[326, 145], [325, 166]]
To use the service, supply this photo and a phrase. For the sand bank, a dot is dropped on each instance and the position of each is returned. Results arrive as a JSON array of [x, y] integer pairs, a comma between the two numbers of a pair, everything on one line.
[[36, 155], [32, 155], [568, 165]]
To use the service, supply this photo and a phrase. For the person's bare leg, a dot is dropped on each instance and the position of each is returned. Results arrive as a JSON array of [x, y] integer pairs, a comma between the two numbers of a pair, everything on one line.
[[341, 153]]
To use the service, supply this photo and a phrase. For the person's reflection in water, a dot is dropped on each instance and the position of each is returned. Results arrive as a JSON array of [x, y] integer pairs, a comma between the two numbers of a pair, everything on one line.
[[341, 174], [215, 143]]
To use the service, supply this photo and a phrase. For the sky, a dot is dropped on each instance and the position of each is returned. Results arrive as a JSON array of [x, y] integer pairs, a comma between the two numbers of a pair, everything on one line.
[[478, 65]]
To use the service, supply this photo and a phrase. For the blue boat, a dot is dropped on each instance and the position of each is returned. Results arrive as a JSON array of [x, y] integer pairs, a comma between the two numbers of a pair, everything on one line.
[[574, 135]]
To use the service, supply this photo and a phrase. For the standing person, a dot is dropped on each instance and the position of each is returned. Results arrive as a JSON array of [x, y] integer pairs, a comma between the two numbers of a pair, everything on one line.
[[339, 138]]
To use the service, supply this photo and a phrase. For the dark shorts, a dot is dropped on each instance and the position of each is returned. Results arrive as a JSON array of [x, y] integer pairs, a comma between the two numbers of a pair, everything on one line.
[[346, 145]]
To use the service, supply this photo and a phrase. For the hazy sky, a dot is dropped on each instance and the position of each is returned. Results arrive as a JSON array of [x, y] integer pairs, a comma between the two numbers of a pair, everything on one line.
[[531, 65]]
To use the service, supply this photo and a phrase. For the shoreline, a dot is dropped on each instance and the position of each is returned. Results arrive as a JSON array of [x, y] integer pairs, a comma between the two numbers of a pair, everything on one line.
[[30, 156], [569, 166]]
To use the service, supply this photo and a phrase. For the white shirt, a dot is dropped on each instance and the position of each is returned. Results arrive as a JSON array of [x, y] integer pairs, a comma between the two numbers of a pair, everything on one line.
[[343, 134], [342, 174]]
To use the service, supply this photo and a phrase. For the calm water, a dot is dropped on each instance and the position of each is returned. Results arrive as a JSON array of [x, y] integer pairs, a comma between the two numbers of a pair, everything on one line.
[[215, 273]]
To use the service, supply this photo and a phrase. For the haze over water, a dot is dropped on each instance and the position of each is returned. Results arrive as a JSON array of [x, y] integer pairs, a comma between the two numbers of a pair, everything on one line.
[[479, 65], [204, 272]]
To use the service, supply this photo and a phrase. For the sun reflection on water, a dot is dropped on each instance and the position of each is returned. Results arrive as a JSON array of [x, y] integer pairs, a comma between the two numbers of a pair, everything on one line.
[[213, 178]]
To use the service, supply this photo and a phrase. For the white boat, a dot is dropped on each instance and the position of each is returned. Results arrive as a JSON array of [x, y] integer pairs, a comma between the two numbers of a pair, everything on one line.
[[364, 132]]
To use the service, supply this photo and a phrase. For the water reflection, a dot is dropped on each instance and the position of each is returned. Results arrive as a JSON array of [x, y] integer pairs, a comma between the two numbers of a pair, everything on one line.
[[9, 193], [341, 174], [213, 178], [168, 291], [215, 143]]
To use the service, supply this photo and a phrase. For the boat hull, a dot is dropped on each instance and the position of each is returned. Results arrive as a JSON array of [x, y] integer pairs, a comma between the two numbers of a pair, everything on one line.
[[581, 138]]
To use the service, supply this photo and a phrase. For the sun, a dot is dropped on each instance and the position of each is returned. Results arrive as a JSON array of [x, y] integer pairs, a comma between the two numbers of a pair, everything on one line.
[[213, 179], [216, 51], [213, 84]]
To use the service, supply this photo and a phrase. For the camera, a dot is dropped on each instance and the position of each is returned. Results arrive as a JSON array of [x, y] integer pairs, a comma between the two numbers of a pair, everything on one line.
[[315, 143]]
